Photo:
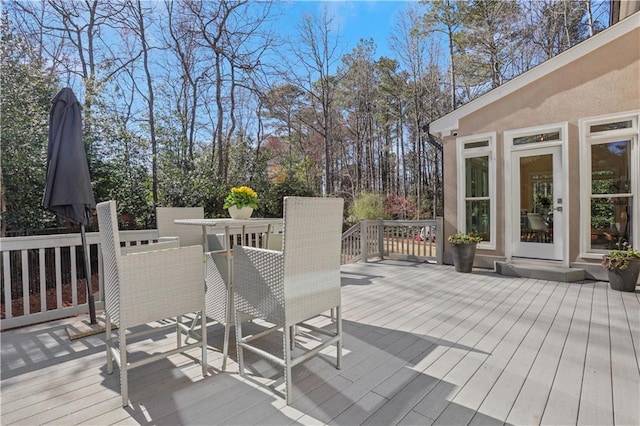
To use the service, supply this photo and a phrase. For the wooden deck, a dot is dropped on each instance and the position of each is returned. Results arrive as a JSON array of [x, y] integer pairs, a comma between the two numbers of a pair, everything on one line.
[[422, 345]]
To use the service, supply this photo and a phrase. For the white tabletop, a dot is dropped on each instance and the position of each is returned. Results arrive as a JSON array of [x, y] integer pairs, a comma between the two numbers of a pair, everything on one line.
[[229, 221]]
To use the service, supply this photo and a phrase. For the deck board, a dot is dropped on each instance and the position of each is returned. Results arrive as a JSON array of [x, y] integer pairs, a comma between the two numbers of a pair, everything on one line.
[[532, 398], [625, 374], [506, 388], [457, 386], [596, 395], [422, 345]]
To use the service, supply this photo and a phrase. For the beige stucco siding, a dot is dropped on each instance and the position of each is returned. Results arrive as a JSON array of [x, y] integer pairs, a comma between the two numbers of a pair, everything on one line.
[[607, 80]]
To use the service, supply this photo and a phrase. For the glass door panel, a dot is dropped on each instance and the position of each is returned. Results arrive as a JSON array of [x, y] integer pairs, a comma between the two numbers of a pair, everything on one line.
[[537, 203], [536, 199]]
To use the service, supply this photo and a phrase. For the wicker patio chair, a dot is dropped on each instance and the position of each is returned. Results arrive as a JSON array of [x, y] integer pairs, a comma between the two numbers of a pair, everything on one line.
[[286, 288], [143, 285], [188, 235]]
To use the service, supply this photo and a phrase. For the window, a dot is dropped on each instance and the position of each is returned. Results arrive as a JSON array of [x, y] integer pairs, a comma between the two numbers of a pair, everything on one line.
[[610, 164], [479, 144], [476, 208], [542, 137], [611, 126]]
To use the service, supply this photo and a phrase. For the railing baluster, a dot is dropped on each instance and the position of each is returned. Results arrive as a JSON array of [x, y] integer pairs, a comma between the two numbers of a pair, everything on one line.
[[24, 257], [58, 264], [74, 276], [43, 280], [100, 273], [6, 263]]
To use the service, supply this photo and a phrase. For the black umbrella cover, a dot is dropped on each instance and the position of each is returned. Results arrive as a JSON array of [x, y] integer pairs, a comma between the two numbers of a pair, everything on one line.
[[67, 190]]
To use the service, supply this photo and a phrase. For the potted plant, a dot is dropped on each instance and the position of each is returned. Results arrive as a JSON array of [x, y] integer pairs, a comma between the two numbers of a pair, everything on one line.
[[623, 267], [463, 247], [240, 202]]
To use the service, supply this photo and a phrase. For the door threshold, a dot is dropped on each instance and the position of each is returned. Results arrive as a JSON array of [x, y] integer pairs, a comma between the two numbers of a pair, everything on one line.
[[534, 261], [543, 270]]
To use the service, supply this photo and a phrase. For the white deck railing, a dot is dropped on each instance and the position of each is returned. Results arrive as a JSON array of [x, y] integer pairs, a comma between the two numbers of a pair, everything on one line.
[[43, 276], [417, 240], [40, 274]]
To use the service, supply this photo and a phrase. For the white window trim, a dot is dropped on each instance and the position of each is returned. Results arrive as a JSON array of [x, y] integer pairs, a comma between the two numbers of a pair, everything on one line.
[[586, 139], [463, 154], [509, 147]]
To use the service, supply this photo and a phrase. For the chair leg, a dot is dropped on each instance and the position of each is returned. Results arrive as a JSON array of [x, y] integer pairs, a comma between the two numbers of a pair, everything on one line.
[[124, 385], [287, 366], [178, 331], [192, 333], [203, 325], [238, 341], [225, 346], [109, 345], [339, 332], [230, 312]]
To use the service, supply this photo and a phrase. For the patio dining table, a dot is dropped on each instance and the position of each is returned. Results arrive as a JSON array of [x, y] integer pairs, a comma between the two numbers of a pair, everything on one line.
[[219, 271], [227, 224]]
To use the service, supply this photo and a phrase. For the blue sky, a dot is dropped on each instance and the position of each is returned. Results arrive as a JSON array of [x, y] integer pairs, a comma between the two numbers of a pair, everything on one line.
[[356, 19]]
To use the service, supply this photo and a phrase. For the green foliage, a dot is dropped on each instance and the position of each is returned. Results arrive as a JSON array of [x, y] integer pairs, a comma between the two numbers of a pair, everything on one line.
[[619, 259], [462, 238], [242, 196], [368, 206], [118, 164], [27, 90], [272, 195]]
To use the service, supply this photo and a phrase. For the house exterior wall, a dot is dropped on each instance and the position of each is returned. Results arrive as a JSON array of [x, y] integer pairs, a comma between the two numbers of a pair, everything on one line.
[[607, 80]]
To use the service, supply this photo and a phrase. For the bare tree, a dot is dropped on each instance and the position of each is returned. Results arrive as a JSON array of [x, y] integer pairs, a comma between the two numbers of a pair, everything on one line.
[[135, 21], [80, 32], [232, 36], [411, 47], [443, 17], [316, 53]]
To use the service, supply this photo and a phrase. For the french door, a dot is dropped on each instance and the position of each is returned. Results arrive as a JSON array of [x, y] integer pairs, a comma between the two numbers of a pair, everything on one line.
[[537, 215]]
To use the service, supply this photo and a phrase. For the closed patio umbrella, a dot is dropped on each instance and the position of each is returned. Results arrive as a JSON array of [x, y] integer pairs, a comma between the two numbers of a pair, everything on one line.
[[67, 191]]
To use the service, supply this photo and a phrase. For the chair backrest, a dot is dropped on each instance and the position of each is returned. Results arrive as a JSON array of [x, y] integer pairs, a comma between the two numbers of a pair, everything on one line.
[[536, 222], [188, 235], [311, 249], [110, 246]]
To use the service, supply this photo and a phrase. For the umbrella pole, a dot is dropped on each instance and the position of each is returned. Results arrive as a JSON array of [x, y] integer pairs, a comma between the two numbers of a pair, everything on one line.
[[92, 303]]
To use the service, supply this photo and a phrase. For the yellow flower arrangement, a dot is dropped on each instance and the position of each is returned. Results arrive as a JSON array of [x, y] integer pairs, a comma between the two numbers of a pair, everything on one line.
[[240, 197]]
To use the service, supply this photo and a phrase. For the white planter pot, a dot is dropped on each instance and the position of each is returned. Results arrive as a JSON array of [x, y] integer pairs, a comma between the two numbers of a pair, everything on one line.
[[243, 213]]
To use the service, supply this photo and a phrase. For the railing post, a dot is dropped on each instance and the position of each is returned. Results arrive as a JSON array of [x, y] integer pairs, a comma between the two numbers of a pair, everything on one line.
[[364, 241], [380, 239], [439, 240]]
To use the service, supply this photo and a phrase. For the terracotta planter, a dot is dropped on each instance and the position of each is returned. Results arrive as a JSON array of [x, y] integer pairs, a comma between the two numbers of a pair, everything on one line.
[[243, 213], [463, 255], [625, 279]]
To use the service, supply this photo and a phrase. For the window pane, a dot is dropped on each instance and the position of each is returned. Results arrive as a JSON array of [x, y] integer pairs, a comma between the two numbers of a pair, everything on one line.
[[480, 144], [536, 198], [610, 126], [611, 220], [477, 177], [611, 168], [542, 137], [478, 219]]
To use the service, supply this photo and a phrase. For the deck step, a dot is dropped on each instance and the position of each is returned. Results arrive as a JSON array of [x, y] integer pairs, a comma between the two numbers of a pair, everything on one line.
[[542, 272]]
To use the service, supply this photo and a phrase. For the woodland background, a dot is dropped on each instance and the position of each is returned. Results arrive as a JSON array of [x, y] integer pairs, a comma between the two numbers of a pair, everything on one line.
[[184, 99]]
